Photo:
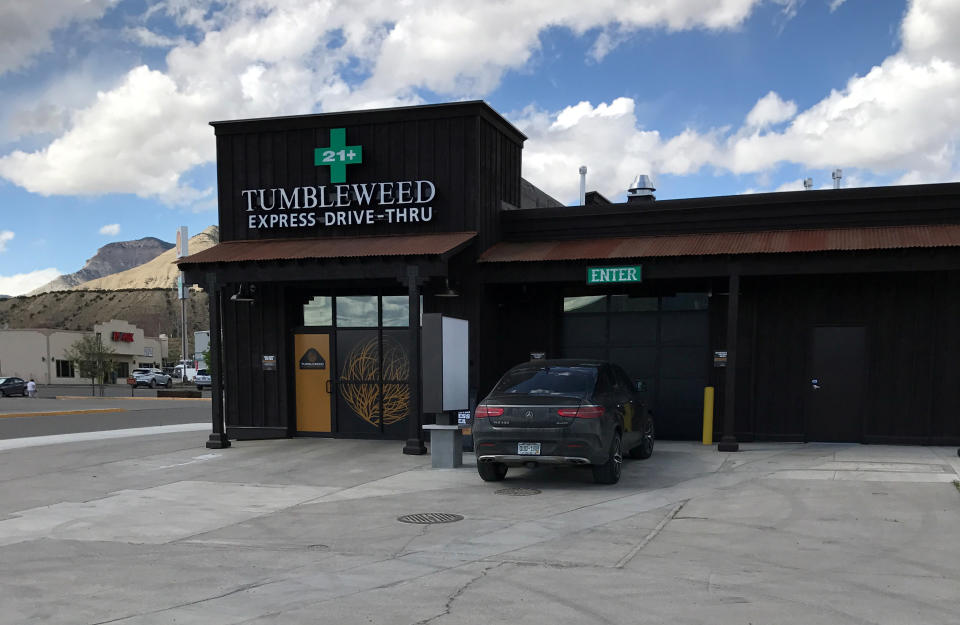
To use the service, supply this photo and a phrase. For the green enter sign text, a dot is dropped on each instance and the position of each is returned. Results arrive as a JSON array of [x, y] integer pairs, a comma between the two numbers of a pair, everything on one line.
[[606, 275]]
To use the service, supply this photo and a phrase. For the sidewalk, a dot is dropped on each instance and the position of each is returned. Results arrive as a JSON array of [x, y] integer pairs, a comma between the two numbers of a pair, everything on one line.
[[157, 529]]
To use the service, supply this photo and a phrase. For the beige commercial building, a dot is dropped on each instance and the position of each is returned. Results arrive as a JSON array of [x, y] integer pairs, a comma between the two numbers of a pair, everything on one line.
[[39, 353]]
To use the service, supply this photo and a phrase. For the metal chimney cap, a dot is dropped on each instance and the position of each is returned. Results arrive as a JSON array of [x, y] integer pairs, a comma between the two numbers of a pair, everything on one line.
[[641, 185], [583, 169]]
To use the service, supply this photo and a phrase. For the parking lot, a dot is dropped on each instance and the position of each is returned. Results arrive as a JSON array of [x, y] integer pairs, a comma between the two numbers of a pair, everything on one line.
[[158, 529]]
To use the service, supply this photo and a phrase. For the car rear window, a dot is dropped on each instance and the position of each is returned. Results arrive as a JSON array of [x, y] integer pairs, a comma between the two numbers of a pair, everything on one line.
[[202, 372], [563, 381], [141, 371]]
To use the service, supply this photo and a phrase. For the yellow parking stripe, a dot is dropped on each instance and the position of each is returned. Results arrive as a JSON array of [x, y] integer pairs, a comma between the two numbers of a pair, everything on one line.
[[53, 413], [136, 398]]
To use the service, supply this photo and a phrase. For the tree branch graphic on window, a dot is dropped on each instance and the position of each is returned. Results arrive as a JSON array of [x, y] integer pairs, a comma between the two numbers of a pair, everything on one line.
[[360, 386]]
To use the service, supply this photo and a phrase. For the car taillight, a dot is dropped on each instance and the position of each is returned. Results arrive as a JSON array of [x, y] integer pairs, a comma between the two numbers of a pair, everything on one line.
[[487, 411], [583, 412]]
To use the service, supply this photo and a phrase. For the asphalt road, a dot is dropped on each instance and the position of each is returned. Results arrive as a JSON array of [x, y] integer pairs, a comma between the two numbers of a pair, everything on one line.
[[112, 413]]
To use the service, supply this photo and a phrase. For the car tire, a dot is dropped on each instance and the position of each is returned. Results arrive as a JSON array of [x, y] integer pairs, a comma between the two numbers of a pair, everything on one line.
[[492, 471], [169, 383], [645, 449], [153, 384], [609, 471]]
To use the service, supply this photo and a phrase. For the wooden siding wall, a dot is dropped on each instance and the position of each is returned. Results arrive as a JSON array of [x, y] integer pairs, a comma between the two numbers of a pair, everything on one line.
[[912, 342], [470, 161], [256, 398]]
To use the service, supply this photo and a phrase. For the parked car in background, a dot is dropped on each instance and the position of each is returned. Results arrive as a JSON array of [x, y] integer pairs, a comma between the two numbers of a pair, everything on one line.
[[202, 379], [178, 373], [12, 386], [149, 377], [562, 412]]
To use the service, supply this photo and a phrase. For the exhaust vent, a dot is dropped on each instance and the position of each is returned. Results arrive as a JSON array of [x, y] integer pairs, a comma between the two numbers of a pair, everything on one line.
[[641, 189]]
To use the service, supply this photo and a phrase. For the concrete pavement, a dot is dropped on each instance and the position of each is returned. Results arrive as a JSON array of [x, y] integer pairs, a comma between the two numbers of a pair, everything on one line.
[[158, 529]]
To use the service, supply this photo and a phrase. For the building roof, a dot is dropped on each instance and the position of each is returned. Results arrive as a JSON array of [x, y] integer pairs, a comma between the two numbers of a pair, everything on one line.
[[716, 243], [431, 244]]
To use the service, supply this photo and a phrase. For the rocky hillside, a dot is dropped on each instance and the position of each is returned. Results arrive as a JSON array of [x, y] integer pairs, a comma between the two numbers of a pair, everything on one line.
[[109, 259], [157, 311], [159, 273]]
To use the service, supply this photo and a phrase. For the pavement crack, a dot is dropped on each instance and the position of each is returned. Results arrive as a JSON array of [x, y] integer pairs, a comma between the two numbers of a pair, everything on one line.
[[236, 590], [649, 537], [448, 606]]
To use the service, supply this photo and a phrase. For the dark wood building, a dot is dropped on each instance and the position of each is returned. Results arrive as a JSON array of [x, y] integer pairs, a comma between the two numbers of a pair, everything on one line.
[[817, 315]]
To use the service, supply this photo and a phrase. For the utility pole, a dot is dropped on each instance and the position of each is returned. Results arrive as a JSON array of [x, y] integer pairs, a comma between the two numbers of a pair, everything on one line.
[[182, 244]]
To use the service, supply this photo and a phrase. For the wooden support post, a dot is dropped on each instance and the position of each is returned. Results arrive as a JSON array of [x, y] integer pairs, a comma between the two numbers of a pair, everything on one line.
[[414, 445], [218, 437], [728, 442]]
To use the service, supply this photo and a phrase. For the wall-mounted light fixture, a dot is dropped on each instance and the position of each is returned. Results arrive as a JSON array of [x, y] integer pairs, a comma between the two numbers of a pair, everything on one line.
[[446, 291], [244, 295]]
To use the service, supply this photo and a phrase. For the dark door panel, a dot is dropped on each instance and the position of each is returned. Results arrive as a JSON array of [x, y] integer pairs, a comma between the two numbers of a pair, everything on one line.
[[834, 400]]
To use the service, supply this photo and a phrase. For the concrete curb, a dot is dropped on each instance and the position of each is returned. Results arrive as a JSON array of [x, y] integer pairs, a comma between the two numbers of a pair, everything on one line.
[[53, 413]]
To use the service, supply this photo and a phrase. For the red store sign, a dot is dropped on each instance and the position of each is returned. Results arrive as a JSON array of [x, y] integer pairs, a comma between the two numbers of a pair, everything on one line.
[[125, 337]]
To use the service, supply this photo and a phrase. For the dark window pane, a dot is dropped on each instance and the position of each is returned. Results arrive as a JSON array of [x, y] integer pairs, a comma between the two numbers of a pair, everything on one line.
[[585, 304], [627, 303], [686, 301]]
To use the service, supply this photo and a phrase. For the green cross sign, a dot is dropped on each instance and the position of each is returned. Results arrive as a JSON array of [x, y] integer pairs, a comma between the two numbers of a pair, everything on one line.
[[338, 155]]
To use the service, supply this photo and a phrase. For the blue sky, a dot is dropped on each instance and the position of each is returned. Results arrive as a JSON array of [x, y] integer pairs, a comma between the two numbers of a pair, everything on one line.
[[103, 120]]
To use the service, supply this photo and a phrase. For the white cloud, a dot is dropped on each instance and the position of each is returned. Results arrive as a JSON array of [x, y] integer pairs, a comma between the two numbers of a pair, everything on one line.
[[269, 57], [110, 230], [5, 237], [25, 27], [21, 283], [900, 119], [770, 110], [835, 4]]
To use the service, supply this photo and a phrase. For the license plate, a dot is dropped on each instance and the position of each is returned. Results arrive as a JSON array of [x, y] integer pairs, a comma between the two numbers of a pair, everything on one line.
[[528, 449]]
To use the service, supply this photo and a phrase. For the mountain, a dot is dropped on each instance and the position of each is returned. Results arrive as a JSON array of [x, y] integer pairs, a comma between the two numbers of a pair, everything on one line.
[[155, 310], [109, 259], [159, 273]]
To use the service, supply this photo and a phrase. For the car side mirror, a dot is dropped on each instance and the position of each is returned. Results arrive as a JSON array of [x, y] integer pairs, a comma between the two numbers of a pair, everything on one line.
[[640, 386]]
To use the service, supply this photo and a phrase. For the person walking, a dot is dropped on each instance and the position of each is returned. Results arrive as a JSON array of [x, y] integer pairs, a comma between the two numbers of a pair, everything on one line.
[[32, 388]]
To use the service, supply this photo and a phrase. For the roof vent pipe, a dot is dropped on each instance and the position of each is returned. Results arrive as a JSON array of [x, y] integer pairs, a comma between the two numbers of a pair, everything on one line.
[[807, 184], [641, 189], [583, 185], [837, 175]]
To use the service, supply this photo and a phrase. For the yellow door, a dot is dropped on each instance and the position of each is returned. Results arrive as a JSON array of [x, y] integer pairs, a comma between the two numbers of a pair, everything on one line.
[[312, 364]]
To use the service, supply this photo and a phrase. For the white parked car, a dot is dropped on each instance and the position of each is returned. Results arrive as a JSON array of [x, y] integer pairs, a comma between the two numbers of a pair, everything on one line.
[[149, 377], [202, 379]]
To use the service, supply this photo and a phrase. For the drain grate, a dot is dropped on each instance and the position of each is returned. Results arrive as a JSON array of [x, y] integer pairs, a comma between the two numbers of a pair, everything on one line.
[[426, 518], [517, 492]]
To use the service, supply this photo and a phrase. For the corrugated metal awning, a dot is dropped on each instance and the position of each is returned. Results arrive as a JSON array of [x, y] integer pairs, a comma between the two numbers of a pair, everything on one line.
[[714, 243], [431, 244]]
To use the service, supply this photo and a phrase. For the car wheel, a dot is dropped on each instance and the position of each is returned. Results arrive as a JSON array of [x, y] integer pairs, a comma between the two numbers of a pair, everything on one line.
[[153, 384], [645, 449], [492, 471], [169, 383], [609, 471]]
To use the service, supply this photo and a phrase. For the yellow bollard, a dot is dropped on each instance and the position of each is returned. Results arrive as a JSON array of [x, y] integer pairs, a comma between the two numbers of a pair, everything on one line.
[[708, 415]]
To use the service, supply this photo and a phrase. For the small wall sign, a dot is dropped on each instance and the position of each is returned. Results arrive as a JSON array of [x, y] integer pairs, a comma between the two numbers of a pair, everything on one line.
[[609, 275], [122, 337], [269, 363], [312, 359], [720, 359]]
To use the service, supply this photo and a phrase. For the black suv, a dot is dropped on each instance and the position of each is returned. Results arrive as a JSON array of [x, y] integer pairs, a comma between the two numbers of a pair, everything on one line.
[[12, 386], [564, 411]]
